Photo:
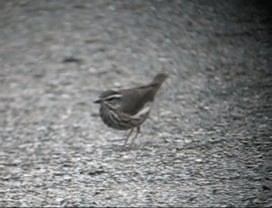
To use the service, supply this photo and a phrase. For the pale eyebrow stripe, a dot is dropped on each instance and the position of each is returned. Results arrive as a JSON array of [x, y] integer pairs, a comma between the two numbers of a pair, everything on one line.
[[114, 96]]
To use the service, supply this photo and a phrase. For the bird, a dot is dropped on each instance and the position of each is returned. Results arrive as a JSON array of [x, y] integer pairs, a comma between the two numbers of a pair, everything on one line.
[[127, 109]]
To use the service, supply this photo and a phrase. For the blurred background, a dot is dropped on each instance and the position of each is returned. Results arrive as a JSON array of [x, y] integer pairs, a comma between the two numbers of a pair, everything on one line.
[[208, 140]]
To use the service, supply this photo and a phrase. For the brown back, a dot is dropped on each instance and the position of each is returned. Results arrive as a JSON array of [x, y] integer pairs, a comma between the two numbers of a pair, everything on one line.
[[134, 99]]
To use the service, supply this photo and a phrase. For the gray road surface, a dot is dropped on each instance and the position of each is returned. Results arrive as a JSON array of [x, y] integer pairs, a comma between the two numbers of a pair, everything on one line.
[[208, 141]]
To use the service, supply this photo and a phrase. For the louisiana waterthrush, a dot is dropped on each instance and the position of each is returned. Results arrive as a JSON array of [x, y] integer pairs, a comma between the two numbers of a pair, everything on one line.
[[129, 108]]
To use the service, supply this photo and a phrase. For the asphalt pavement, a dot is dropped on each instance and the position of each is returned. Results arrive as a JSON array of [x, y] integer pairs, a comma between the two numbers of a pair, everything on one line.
[[208, 140]]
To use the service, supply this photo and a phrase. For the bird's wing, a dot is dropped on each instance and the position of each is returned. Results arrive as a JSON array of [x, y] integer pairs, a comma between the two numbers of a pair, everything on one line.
[[134, 99]]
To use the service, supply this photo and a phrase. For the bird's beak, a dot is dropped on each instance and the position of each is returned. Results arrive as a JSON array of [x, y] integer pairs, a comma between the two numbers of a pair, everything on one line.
[[98, 101]]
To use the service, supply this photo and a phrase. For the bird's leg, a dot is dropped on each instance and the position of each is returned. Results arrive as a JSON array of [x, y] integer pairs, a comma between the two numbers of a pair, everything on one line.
[[137, 132], [129, 134]]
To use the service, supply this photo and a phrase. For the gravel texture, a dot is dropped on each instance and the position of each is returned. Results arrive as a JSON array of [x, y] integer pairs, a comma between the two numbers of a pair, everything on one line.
[[208, 141]]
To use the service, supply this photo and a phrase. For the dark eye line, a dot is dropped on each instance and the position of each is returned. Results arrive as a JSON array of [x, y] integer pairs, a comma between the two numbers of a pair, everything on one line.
[[113, 98]]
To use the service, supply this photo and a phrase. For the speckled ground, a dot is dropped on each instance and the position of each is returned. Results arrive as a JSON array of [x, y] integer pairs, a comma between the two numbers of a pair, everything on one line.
[[208, 141]]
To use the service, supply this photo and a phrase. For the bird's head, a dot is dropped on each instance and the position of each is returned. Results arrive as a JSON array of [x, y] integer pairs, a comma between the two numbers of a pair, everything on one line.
[[110, 97]]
